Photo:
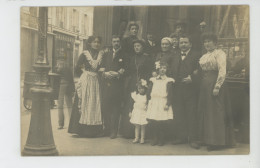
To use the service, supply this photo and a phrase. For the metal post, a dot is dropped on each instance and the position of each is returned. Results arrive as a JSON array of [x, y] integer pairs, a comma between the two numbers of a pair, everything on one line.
[[40, 140]]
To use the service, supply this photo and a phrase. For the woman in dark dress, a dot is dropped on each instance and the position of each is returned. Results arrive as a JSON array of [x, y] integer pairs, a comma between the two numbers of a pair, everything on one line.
[[215, 120], [140, 67], [86, 117], [166, 55]]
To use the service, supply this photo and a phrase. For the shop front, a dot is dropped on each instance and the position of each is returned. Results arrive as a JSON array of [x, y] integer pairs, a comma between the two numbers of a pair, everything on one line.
[[63, 49]]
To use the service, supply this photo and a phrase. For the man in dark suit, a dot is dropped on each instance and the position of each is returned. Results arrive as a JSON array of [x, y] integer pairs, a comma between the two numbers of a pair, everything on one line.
[[185, 93], [152, 47], [112, 68], [175, 41], [197, 36]]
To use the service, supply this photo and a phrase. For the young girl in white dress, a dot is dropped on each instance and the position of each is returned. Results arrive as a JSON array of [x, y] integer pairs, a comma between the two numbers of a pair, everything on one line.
[[138, 115], [160, 104]]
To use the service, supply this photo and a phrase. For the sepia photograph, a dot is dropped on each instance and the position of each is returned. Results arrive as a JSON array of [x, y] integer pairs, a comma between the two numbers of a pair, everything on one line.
[[135, 80]]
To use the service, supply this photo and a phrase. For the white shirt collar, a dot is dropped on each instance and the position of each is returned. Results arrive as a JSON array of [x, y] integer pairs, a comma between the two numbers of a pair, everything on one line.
[[187, 52], [151, 43], [114, 50], [162, 77]]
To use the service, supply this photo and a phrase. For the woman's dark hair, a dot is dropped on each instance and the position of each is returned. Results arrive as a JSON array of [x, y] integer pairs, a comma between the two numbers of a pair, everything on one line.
[[181, 24], [139, 84], [140, 42], [163, 64], [174, 35], [209, 36], [133, 24], [91, 39]]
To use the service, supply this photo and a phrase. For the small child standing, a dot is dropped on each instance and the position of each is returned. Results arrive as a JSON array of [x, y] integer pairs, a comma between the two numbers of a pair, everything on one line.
[[138, 115], [160, 105]]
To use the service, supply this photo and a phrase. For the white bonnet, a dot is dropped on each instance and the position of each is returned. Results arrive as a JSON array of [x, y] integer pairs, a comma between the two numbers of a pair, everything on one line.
[[168, 39]]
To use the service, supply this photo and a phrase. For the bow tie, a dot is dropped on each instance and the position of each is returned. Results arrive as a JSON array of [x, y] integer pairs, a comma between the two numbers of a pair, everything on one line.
[[183, 54]]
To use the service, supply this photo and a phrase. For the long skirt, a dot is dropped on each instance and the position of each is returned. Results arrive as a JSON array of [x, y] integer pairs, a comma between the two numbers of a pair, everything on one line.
[[87, 121], [215, 114]]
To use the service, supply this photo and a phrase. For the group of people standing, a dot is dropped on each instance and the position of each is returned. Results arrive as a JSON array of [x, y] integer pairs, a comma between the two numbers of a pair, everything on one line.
[[170, 87]]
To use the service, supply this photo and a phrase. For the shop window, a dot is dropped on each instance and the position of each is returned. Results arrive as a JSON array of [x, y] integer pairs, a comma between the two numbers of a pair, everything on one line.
[[84, 24], [63, 49], [33, 19], [234, 40], [75, 20], [61, 17]]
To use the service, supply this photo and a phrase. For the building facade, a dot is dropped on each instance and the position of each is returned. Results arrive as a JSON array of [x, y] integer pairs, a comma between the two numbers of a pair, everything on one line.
[[68, 28], [229, 22]]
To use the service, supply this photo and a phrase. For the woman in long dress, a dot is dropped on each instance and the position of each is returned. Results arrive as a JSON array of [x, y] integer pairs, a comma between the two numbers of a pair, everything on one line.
[[140, 67], [215, 120], [86, 119]]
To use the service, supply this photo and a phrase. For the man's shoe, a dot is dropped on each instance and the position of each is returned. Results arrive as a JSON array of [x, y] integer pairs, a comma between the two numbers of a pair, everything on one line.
[[212, 148], [195, 145], [60, 127], [154, 142], [161, 143], [113, 136], [177, 141]]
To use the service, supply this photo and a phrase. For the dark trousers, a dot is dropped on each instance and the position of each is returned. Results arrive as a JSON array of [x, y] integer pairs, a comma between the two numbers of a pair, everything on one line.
[[111, 113], [63, 95], [185, 122], [158, 130]]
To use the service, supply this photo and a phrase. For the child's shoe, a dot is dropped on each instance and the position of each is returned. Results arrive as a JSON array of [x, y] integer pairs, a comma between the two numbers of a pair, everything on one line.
[[142, 141], [136, 140]]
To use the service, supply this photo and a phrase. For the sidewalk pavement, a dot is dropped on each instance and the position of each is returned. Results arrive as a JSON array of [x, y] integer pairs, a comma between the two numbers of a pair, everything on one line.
[[70, 145]]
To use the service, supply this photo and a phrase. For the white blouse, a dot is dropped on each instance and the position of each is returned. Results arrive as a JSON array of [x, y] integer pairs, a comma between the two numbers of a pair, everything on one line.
[[159, 88], [139, 101], [215, 60]]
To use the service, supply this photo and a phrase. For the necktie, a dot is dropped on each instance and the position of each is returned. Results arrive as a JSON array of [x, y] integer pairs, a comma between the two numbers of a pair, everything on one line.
[[114, 54]]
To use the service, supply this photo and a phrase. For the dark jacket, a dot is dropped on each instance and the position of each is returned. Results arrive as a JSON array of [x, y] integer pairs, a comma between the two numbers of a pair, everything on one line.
[[66, 76], [182, 69], [140, 67], [128, 47], [113, 87], [152, 50]]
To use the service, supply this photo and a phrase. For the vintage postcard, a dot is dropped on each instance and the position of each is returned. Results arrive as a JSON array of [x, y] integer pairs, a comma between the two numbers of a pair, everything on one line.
[[135, 80]]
